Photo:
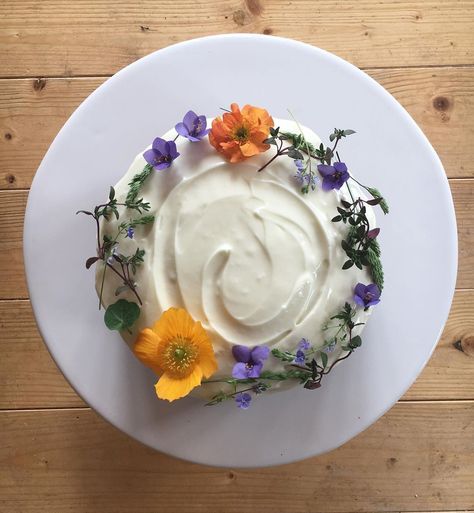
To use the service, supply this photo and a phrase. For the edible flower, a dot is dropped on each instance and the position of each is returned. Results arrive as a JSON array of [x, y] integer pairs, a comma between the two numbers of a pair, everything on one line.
[[130, 232], [161, 154], [243, 400], [178, 349], [239, 134], [249, 361], [366, 295], [334, 177], [193, 127]]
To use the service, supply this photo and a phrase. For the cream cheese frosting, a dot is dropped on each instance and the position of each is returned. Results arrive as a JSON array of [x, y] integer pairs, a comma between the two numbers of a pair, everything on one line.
[[244, 252]]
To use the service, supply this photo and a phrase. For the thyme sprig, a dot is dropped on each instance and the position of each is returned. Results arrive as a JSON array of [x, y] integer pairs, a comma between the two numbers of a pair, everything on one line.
[[309, 373], [124, 266]]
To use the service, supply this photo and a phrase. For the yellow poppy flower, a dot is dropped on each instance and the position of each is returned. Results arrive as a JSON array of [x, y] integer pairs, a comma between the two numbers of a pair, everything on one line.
[[178, 349]]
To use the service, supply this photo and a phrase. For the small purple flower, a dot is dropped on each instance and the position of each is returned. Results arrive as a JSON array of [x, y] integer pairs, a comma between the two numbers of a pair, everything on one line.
[[193, 127], [334, 176], [366, 295], [249, 361], [243, 400], [300, 357], [161, 154], [330, 348], [300, 176], [130, 232], [299, 164], [304, 344], [111, 259]]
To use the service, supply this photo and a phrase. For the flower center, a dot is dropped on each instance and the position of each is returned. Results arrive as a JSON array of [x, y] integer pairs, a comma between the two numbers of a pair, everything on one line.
[[180, 356], [162, 158], [241, 134], [368, 297], [337, 175]]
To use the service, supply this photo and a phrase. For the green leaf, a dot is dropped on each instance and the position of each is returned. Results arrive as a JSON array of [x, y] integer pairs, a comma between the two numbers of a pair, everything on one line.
[[111, 193], [121, 315], [348, 264], [332, 137], [355, 342], [348, 132], [324, 359]]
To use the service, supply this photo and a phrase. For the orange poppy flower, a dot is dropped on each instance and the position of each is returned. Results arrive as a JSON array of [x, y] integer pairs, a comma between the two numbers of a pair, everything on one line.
[[177, 349], [239, 134]]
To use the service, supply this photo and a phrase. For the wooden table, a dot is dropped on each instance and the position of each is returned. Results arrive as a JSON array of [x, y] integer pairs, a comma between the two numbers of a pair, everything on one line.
[[56, 454]]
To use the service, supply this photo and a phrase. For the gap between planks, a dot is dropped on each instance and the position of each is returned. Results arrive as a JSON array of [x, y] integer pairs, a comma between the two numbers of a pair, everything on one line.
[[107, 75], [88, 408]]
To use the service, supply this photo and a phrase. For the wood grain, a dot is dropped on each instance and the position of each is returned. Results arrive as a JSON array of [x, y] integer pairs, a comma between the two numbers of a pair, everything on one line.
[[12, 204], [32, 111], [37, 39], [419, 454], [29, 378]]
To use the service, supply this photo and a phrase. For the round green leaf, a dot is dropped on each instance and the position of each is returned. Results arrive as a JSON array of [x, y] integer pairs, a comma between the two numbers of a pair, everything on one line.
[[121, 315]]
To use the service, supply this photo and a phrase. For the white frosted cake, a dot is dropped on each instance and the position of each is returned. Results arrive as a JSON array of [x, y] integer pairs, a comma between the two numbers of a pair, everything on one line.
[[245, 254]]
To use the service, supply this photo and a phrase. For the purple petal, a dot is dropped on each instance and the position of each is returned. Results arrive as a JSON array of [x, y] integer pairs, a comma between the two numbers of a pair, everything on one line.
[[241, 353], [254, 370], [162, 165], [159, 145], [172, 151], [260, 353], [359, 301], [190, 118], [360, 290], [150, 156], [373, 289], [373, 302], [340, 166], [182, 130], [327, 184], [325, 170], [240, 371]]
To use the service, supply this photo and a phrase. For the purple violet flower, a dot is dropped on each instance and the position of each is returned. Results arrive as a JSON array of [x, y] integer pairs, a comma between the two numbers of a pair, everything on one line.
[[300, 357], [334, 177], [366, 295], [243, 400], [161, 154], [130, 232], [193, 127], [330, 348], [111, 259], [249, 361], [304, 344]]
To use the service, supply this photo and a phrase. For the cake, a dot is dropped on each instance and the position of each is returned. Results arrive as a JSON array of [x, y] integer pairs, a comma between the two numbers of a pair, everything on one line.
[[238, 255]]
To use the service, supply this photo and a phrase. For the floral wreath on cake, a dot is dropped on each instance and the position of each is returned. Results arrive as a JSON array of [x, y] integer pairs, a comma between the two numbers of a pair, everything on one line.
[[176, 347]]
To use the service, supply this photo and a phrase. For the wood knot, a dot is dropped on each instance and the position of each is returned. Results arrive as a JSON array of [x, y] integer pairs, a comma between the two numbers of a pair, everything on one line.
[[10, 179], [39, 84], [144, 28], [268, 31], [239, 17], [231, 475], [441, 103], [465, 345], [391, 462], [8, 136], [254, 7]]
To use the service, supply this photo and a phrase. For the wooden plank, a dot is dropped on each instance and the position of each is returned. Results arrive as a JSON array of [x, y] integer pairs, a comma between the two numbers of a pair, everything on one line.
[[12, 212], [31, 113], [95, 37], [30, 379], [28, 376], [33, 110], [71, 460], [12, 204]]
